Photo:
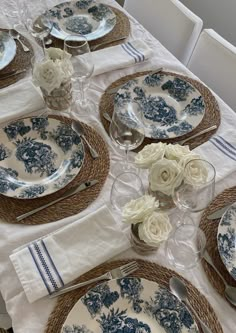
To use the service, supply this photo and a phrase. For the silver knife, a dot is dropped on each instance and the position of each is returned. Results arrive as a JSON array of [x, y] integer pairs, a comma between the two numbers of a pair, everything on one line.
[[218, 214], [114, 90], [73, 190], [4, 76]]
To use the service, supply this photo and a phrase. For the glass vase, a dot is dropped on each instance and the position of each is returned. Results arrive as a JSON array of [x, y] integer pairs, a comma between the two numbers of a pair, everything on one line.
[[138, 245], [60, 99], [165, 201]]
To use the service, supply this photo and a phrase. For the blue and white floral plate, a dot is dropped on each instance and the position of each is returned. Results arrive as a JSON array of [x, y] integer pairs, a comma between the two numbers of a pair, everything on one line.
[[226, 239], [38, 156], [91, 19], [7, 49], [129, 305], [171, 106]]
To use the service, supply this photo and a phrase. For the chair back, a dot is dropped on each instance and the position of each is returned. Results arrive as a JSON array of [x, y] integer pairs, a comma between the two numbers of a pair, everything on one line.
[[214, 62], [173, 24]]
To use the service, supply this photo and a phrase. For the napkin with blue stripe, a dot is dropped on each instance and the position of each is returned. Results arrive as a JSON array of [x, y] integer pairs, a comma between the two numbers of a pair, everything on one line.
[[49, 263], [120, 56], [220, 150]]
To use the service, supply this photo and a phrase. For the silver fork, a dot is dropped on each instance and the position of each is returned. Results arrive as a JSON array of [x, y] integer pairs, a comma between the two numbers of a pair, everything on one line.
[[206, 130], [115, 273]]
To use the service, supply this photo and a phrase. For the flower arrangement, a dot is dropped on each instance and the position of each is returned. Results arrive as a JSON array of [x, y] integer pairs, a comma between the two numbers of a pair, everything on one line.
[[55, 69], [166, 163], [152, 226]]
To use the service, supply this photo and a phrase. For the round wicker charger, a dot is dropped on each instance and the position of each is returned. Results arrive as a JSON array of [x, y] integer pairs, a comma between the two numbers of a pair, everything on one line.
[[121, 29], [211, 117], [22, 60], [98, 169], [210, 227], [147, 270]]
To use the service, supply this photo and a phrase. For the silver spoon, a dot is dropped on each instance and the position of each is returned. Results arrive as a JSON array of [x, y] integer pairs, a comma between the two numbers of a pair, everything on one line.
[[15, 35], [107, 116], [76, 126], [230, 292], [179, 289]]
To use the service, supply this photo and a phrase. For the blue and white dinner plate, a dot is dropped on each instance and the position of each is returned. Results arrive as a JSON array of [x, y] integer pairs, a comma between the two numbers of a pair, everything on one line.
[[38, 156], [129, 305], [7, 49], [91, 19], [226, 239], [171, 106]]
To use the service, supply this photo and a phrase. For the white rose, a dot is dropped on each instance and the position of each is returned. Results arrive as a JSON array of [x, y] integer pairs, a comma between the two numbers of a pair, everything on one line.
[[176, 152], [54, 53], [47, 75], [187, 158], [150, 154], [136, 210], [155, 229], [164, 175], [195, 173], [66, 68]]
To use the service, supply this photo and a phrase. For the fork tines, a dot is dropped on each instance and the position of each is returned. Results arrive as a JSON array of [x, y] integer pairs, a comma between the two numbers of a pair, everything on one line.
[[130, 267]]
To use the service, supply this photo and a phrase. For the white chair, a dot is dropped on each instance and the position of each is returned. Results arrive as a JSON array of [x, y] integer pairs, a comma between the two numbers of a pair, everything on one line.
[[173, 24], [214, 62]]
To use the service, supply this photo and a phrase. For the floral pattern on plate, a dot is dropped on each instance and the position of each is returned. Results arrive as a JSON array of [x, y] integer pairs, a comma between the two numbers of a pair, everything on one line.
[[226, 239], [171, 106], [94, 20], [38, 156], [129, 305]]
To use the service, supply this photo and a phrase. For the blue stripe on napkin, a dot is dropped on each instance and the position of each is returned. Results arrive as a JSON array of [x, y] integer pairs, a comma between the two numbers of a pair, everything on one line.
[[130, 52], [45, 266], [139, 54], [224, 146]]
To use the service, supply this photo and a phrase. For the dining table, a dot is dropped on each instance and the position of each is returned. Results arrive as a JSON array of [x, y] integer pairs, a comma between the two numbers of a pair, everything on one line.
[[32, 317]]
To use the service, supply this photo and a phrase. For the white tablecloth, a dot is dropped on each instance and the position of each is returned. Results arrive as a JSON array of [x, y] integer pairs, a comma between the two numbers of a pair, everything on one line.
[[28, 318]]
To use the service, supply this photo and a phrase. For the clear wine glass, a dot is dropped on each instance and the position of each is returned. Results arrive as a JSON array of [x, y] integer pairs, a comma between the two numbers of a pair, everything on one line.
[[36, 18], [127, 137], [126, 186], [185, 247], [82, 61]]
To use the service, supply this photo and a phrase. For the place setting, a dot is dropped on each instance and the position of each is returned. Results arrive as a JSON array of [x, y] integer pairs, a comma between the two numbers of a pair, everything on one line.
[[15, 56], [218, 223], [174, 108]]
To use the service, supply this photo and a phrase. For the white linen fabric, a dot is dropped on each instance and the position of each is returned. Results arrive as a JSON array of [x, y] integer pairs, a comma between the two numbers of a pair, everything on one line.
[[49, 263], [32, 317], [214, 62], [19, 100], [120, 56]]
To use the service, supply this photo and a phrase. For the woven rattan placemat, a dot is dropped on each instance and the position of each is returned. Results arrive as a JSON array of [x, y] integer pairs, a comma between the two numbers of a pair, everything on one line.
[[91, 169], [147, 270], [22, 60], [121, 29], [211, 117], [210, 228]]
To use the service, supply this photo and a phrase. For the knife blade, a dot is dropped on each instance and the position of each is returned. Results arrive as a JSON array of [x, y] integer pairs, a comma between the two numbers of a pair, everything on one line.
[[73, 190], [114, 90], [219, 213], [4, 76]]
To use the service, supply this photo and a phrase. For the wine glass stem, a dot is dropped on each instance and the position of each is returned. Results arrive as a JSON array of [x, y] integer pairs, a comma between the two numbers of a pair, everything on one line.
[[81, 85], [126, 157]]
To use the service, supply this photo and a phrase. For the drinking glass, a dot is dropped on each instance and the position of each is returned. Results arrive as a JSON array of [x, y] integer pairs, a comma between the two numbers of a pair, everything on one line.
[[127, 137], [195, 196], [185, 247], [126, 186], [83, 69], [35, 16]]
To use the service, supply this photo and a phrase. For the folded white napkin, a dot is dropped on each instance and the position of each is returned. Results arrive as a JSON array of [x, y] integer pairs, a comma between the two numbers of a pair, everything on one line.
[[49, 263], [120, 56], [20, 99], [220, 150]]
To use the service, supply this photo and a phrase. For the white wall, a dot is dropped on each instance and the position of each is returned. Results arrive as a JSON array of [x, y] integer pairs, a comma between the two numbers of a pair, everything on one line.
[[219, 15]]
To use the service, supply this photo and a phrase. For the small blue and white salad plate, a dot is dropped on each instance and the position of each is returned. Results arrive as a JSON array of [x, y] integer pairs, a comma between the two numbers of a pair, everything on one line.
[[129, 305], [7, 49], [86, 17], [226, 239], [38, 156], [171, 106]]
